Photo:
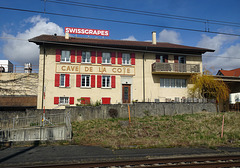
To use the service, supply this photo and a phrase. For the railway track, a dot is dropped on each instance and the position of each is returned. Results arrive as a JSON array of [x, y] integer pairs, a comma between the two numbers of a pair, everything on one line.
[[190, 162]]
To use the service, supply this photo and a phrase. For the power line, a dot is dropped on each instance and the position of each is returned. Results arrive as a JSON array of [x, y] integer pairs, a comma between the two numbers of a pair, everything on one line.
[[117, 21], [147, 13]]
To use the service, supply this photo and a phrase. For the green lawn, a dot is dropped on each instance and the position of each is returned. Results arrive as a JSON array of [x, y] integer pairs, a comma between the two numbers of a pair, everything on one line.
[[188, 130]]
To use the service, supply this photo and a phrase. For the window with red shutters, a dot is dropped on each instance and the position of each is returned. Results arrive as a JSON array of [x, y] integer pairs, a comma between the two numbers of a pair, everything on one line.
[[113, 81], [78, 81], [85, 100], [92, 81], [58, 55], [113, 57], [72, 55], [56, 100], [79, 56], [71, 101], [67, 80], [57, 78], [133, 58], [99, 81], [93, 57], [106, 100], [99, 57], [119, 58]]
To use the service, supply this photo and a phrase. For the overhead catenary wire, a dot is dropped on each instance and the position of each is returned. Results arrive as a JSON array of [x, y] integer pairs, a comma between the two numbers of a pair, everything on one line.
[[117, 21], [147, 13]]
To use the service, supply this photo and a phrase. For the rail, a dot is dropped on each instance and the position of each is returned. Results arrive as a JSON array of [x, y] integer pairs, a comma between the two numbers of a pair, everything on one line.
[[175, 67], [10, 68]]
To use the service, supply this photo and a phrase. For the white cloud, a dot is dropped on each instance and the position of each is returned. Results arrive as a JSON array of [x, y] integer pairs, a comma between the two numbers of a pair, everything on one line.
[[23, 51], [216, 43], [224, 49], [130, 38], [169, 36]]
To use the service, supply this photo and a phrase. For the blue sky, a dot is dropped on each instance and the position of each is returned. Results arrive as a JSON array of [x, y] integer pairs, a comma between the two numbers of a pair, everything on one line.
[[16, 26]]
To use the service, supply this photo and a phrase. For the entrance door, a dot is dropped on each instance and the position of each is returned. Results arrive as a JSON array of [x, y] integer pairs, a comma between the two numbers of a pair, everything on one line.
[[126, 93]]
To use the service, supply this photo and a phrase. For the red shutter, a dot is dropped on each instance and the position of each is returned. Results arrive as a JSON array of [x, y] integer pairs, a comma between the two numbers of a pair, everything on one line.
[[58, 55], [106, 100], [78, 81], [67, 78], [72, 55], [92, 81], [79, 56], [71, 100], [113, 81], [85, 100], [57, 78], [175, 59], [166, 58], [99, 57], [133, 58], [93, 57], [56, 100], [113, 58], [99, 81], [120, 58]]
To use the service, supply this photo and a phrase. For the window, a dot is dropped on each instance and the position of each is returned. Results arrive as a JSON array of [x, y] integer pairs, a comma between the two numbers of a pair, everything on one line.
[[85, 80], [173, 83], [182, 59], [126, 59], [86, 57], [62, 80], [65, 56], [63, 100], [106, 58], [106, 83]]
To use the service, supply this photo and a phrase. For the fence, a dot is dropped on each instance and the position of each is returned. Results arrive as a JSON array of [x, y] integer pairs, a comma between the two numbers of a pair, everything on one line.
[[18, 68], [54, 127]]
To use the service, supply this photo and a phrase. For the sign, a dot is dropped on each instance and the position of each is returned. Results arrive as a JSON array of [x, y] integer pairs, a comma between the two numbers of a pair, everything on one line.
[[95, 69], [84, 31]]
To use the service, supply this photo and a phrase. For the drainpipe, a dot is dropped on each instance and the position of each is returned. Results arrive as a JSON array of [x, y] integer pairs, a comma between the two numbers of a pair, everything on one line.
[[143, 78], [44, 53]]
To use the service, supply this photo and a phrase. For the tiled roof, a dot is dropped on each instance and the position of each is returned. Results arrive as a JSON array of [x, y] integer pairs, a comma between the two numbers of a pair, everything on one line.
[[123, 44], [234, 72]]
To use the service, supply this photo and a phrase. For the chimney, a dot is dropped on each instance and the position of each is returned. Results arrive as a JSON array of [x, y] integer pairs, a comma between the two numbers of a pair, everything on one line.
[[154, 38], [67, 35]]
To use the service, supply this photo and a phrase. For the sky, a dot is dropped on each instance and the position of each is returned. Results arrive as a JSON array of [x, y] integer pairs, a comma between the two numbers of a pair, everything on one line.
[[185, 22]]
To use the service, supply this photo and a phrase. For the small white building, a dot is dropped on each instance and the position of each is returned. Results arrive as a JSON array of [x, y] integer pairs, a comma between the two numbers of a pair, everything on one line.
[[6, 66]]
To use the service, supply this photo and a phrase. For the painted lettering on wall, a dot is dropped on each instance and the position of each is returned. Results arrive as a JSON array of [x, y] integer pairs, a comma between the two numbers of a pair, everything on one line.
[[97, 69]]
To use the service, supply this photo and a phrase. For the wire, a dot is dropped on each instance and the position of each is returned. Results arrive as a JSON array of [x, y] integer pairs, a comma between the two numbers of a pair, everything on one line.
[[117, 21], [193, 19]]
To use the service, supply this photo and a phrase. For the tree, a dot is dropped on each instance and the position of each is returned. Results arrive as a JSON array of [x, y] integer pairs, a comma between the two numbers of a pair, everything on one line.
[[207, 86]]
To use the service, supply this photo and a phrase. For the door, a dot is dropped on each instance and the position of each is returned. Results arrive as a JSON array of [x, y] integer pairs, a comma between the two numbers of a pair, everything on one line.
[[126, 93]]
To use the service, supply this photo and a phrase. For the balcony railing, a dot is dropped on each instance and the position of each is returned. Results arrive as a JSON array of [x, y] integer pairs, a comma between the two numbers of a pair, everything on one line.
[[158, 67]]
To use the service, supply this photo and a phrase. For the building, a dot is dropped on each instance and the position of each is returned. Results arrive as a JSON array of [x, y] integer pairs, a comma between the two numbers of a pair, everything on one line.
[[6, 66], [233, 73], [84, 70]]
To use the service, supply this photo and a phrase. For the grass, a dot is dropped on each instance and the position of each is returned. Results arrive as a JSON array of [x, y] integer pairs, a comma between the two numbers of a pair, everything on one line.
[[188, 130]]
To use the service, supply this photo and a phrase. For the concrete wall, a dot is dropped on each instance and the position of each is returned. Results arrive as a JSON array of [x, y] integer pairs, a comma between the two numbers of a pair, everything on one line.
[[138, 110], [36, 133], [80, 113]]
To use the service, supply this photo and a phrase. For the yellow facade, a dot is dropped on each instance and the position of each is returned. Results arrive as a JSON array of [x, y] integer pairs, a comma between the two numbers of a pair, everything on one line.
[[144, 84]]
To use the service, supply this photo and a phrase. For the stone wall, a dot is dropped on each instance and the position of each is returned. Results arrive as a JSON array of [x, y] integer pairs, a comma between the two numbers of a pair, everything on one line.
[[18, 84]]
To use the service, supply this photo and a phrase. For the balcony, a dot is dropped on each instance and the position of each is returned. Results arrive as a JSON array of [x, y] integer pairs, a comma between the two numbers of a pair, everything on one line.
[[175, 68]]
